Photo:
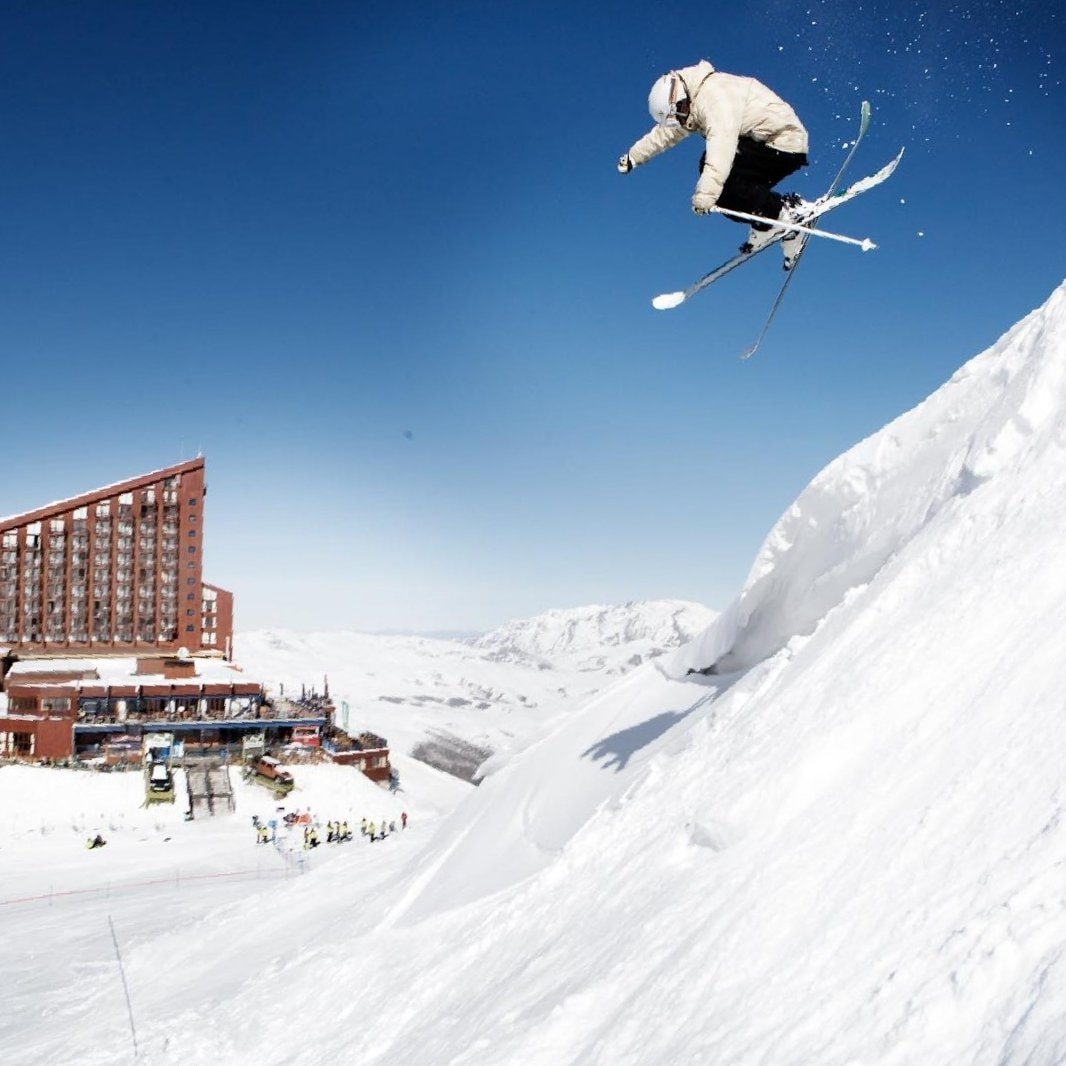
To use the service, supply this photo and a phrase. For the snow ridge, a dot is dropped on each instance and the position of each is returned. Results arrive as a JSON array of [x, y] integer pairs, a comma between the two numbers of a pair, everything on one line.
[[865, 506]]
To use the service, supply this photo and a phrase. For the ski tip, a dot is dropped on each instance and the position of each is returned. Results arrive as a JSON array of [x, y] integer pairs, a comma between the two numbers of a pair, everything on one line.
[[668, 300]]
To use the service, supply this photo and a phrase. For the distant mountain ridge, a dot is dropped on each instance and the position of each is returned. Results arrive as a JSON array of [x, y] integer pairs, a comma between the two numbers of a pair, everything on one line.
[[655, 625]]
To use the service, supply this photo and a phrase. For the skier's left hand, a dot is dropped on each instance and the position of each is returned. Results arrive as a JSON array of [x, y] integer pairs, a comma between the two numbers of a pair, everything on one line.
[[703, 204]]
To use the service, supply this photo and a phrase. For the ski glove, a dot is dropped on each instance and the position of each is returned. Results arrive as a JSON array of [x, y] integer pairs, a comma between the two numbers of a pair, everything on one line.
[[703, 204], [625, 164]]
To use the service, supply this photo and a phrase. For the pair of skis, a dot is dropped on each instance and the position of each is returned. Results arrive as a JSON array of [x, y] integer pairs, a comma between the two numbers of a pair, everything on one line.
[[828, 202]]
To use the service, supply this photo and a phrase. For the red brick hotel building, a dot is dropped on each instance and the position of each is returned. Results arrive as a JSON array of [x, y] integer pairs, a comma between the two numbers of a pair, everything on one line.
[[117, 570]]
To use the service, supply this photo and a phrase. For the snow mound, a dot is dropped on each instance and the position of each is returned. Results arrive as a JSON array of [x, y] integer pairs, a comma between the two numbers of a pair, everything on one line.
[[909, 481]]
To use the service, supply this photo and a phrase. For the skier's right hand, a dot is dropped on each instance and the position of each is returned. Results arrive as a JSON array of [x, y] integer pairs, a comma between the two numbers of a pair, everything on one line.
[[625, 164]]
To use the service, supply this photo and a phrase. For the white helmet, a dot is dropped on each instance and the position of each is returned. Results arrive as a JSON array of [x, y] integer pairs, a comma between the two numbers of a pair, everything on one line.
[[663, 99]]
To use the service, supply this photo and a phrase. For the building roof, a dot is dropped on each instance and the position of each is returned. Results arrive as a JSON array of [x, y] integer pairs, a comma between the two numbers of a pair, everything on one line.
[[25, 667], [129, 485], [120, 670]]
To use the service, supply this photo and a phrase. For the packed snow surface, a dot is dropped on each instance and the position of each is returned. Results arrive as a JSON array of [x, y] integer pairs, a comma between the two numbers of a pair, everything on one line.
[[846, 845]]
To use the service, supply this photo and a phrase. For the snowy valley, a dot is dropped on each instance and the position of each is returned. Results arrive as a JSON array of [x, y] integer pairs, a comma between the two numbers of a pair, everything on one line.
[[830, 829], [493, 693]]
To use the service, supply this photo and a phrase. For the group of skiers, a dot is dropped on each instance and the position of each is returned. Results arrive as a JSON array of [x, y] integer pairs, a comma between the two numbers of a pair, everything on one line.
[[264, 831], [337, 832], [379, 832]]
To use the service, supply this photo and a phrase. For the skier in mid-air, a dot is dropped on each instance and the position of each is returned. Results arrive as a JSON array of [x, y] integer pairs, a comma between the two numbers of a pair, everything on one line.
[[754, 140]]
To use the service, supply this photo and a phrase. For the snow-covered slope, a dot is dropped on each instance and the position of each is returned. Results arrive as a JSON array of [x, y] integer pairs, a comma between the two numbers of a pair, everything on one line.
[[851, 851], [904, 488], [850, 848], [848, 852]]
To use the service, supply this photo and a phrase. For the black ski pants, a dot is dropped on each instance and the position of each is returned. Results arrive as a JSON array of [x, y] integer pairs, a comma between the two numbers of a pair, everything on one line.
[[757, 168]]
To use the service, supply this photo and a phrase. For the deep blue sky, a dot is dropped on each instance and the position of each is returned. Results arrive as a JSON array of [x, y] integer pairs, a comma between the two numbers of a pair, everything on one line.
[[375, 262]]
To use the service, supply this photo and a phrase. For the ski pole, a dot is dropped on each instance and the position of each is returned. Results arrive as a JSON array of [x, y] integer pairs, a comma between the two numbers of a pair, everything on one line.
[[865, 244]]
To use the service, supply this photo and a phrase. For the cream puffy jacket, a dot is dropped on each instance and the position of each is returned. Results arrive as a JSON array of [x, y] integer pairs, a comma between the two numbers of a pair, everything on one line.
[[724, 108]]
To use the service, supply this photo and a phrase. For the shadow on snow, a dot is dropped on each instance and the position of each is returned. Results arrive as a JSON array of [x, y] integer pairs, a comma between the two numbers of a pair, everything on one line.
[[616, 750]]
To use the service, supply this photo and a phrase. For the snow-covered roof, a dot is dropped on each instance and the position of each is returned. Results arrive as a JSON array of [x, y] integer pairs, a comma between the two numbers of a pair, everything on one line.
[[25, 667], [123, 671]]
